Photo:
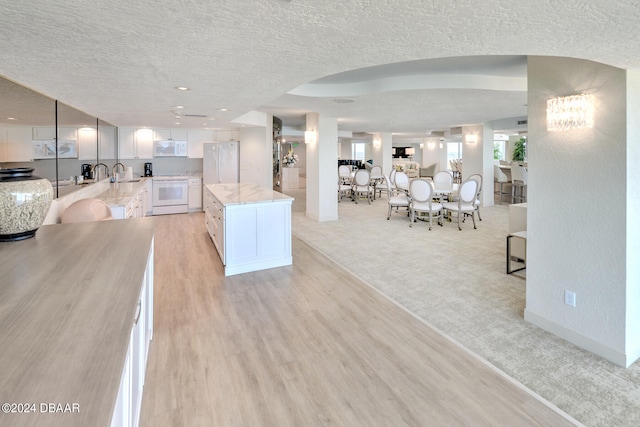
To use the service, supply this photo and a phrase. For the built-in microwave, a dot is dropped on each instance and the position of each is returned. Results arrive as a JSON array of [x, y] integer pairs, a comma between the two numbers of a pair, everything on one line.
[[169, 148]]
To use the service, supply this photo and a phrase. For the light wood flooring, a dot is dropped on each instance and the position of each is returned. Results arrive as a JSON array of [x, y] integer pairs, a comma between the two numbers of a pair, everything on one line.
[[304, 345]]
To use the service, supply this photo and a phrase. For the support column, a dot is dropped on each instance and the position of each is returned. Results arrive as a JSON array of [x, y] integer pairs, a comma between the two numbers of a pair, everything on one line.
[[477, 157], [382, 155], [322, 168]]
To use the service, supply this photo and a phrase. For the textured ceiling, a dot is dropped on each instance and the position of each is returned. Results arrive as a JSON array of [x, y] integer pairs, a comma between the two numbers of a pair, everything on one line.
[[121, 60]]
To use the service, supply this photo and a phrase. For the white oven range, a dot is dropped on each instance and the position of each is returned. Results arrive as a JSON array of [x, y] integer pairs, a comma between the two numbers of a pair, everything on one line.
[[170, 194]]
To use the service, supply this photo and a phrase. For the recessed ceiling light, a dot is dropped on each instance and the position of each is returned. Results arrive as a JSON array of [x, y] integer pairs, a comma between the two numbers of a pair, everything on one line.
[[223, 109], [177, 123], [182, 88], [178, 106], [11, 118]]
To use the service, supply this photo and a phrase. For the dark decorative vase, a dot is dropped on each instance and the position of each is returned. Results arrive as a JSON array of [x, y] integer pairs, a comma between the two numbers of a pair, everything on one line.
[[24, 203]]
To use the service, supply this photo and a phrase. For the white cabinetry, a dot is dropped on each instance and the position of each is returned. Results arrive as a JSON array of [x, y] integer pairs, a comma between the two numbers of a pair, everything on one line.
[[197, 137], [107, 142], [135, 143], [49, 132], [136, 206], [88, 144], [166, 134], [129, 400], [195, 194], [250, 226], [16, 145], [227, 135]]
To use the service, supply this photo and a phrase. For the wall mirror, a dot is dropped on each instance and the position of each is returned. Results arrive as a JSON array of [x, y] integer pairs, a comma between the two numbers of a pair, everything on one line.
[[29, 125]]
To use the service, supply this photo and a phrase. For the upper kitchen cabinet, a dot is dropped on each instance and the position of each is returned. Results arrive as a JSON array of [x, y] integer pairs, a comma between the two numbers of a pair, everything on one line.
[[135, 143], [49, 133], [15, 145], [197, 137], [227, 135], [88, 144], [106, 140], [85, 127], [168, 134]]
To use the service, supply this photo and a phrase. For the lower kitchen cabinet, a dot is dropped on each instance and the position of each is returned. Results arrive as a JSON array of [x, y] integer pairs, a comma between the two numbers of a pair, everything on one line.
[[195, 194], [249, 225], [129, 401]]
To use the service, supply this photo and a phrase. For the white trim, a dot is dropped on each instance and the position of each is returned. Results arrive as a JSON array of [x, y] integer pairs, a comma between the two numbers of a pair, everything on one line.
[[581, 341]]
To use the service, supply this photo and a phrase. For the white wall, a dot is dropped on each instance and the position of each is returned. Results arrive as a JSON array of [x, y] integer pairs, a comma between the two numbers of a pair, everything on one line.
[[431, 151], [577, 209], [633, 208]]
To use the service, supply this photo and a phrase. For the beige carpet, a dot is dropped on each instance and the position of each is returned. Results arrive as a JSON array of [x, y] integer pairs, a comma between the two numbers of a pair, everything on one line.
[[455, 281]]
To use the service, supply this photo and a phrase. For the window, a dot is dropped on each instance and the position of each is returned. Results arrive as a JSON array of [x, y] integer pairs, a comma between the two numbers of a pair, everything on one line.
[[499, 150], [454, 151], [357, 150]]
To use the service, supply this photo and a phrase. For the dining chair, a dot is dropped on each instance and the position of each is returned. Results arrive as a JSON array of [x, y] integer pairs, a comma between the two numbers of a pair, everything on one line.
[[477, 177], [377, 178], [361, 187], [519, 180], [344, 173], [392, 177], [402, 181], [442, 185], [465, 206], [395, 198], [500, 178], [421, 195], [343, 189]]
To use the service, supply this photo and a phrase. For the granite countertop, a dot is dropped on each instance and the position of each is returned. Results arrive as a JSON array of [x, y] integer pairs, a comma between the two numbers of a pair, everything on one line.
[[68, 300], [244, 193]]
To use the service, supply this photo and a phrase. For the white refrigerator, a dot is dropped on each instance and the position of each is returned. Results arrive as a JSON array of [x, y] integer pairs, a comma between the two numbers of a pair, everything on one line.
[[221, 162]]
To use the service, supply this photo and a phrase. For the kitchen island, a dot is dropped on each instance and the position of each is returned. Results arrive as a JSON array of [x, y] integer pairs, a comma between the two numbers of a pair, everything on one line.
[[250, 226], [76, 318]]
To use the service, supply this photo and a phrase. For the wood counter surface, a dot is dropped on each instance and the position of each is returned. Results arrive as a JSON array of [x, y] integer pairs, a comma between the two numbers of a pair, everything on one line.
[[68, 299]]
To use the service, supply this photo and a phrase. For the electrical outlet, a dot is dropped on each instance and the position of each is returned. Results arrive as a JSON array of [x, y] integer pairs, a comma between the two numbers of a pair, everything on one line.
[[570, 298]]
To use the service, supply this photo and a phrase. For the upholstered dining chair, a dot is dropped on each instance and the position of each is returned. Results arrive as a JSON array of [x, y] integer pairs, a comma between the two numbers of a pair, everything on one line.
[[421, 195], [502, 179], [402, 182], [343, 189], [466, 204], [392, 177], [361, 187], [395, 198], [442, 184], [377, 178], [477, 177], [519, 180], [344, 173]]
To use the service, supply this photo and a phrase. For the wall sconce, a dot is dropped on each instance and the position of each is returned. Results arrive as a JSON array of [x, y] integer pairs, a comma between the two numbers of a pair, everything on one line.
[[421, 146], [431, 145], [471, 138], [376, 142], [570, 112], [310, 136], [441, 145]]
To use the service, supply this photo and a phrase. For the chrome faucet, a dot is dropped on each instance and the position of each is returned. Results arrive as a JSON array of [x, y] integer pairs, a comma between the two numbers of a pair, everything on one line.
[[95, 171], [114, 170]]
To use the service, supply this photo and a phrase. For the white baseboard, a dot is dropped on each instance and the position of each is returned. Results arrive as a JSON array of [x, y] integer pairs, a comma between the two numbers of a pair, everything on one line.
[[581, 341]]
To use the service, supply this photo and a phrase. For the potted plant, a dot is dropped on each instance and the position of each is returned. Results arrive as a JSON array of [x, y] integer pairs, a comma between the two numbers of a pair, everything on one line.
[[520, 150]]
